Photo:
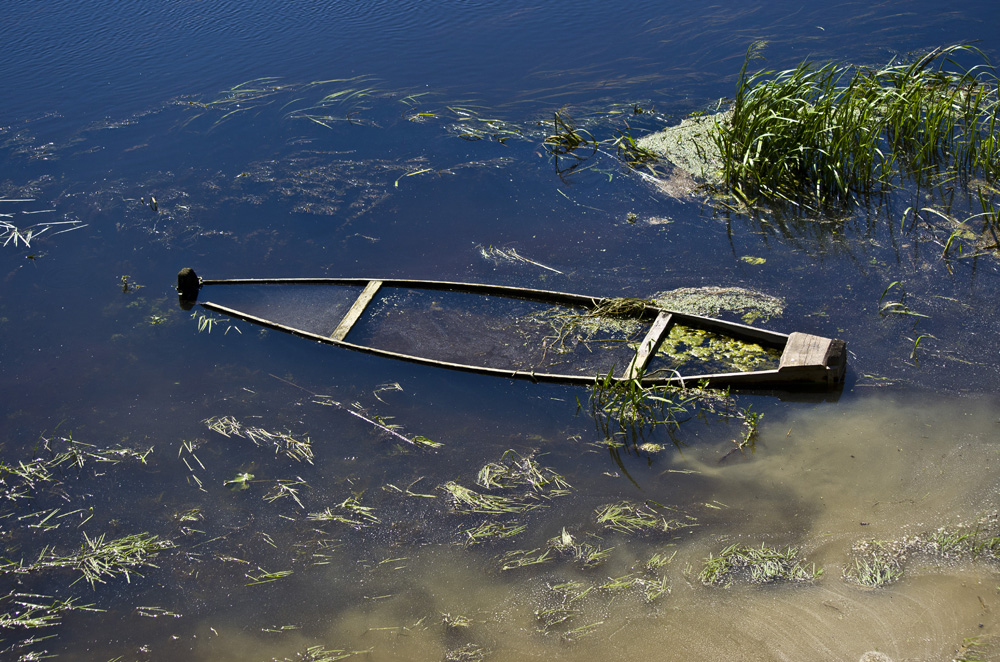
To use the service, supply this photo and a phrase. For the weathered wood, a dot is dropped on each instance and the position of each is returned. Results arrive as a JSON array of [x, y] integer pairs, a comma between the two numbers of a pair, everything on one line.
[[814, 357], [657, 332], [355, 312]]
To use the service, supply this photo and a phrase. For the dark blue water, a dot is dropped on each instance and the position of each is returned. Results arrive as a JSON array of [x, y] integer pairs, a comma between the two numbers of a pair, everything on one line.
[[392, 139]]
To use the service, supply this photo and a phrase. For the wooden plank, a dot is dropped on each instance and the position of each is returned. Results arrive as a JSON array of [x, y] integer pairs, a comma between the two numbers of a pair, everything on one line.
[[805, 350], [657, 332], [355, 312]]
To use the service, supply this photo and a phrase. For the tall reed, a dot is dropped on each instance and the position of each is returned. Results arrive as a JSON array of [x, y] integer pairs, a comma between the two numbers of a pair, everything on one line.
[[817, 135]]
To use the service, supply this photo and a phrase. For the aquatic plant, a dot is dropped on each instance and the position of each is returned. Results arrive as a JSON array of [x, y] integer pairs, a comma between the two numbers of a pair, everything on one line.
[[565, 139], [648, 517], [816, 135], [491, 530], [349, 511], [583, 554], [380, 423], [516, 470], [299, 449], [757, 565], [881, 562], [628, 409], [467, 501], [321, 653], [97, 559]]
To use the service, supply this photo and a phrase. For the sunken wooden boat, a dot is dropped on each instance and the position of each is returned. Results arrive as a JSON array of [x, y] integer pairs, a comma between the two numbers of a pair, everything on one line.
[[523, 333]]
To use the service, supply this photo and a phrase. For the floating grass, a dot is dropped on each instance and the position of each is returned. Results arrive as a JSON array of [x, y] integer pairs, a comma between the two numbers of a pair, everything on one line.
[[467, 501], [97, 559], [380, 423], [585, 555], [299, 449], [516, 470], [496, 255], [520, 558], [631, 517], [349, 511], [878, 563], [12, 234], [566, 139], [322, 654], [30, 611], [466, 653], [491, 531], [756, 565]]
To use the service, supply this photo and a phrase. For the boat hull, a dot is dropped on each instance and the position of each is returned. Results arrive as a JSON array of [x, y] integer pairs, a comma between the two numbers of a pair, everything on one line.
[[806, 361]]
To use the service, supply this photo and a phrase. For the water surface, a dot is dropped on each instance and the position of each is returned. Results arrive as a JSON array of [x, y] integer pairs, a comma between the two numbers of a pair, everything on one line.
[[395, 139]]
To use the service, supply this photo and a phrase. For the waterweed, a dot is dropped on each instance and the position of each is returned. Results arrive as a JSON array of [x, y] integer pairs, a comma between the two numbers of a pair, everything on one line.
[[757, 565]]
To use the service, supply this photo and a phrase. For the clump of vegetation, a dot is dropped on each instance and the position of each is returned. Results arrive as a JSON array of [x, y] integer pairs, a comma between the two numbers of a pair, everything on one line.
[[515, 470], [756, 565], [878, 563], [713, 352], [649, 517], [298, 449], [512, 473], [613, 320], [750, 305], [468, 501], [627, 408], [583, 554], [97, 559], [816, 135], [349, 512], [321, 654]]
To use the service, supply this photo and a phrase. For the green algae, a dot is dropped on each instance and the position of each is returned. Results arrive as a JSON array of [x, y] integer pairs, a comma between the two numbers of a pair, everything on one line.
[[685, 345], [750, 305]]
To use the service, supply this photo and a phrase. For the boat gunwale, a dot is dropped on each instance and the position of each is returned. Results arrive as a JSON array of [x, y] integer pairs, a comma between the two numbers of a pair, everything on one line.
[[757, 378], [734, 378], [651, 310]]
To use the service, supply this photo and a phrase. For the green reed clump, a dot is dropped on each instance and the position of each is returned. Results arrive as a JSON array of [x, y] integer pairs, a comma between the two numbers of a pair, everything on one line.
[[627, 408], [758, 565], [825, 134]]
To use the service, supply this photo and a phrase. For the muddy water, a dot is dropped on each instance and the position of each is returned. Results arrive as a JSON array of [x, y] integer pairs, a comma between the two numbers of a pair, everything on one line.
[[821, 479]]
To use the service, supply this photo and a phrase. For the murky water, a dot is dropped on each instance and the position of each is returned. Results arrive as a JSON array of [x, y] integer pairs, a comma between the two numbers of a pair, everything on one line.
[[295, 489]]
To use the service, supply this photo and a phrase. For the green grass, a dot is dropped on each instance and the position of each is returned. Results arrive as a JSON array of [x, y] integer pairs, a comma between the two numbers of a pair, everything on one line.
[[97, 559], [756, 565], [818, 135], [630, 517]]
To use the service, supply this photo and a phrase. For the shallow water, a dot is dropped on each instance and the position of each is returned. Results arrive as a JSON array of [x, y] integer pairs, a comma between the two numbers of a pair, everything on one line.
[[822, 478], [406, 141]]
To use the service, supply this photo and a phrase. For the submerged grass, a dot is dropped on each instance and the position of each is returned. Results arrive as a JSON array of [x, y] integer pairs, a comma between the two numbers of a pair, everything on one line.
[[631, 517], [97, 559], [299, 449], [878, 563], [819, 135], [757, 565]]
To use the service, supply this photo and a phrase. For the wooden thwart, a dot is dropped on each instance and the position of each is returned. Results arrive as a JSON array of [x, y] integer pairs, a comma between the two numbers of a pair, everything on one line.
[[657, 332], [355, 312]]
